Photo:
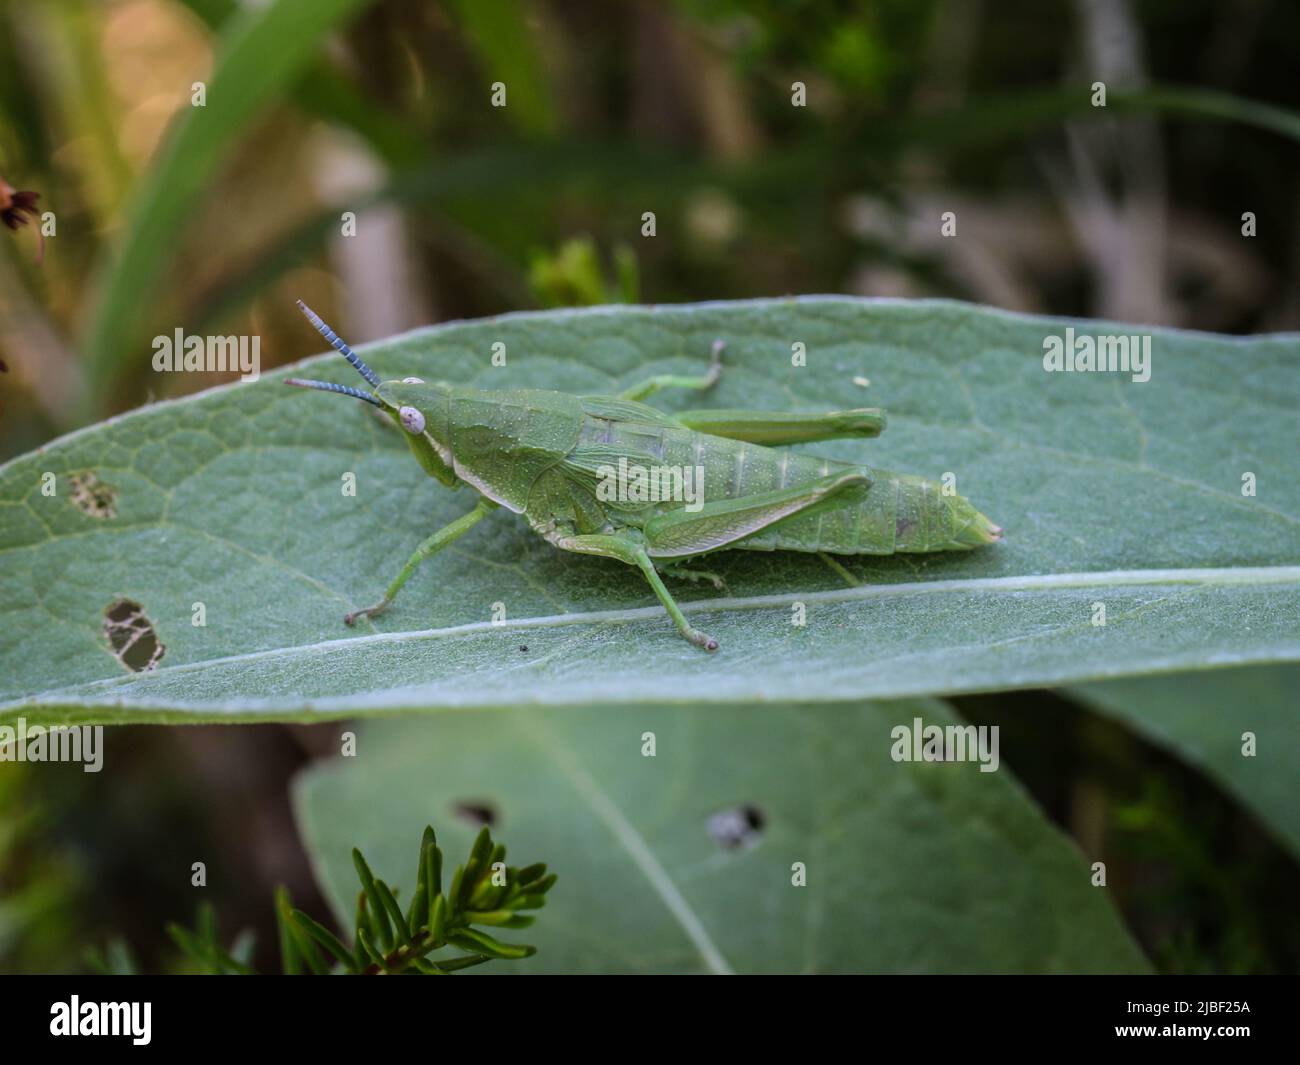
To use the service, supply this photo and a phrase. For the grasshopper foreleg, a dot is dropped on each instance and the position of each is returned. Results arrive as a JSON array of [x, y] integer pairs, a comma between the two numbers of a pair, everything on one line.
[[435, 543]]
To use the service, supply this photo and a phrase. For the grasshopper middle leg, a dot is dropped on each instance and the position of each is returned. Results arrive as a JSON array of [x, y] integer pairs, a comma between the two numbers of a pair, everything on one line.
[[685, 573], [651, 385]]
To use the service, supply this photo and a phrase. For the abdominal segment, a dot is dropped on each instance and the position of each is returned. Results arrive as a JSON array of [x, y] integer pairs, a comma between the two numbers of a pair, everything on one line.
[[897, 513], [874, 525]]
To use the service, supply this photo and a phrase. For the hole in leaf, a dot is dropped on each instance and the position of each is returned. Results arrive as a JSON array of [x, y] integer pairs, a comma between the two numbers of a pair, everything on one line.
[[476, 813], [131, 636], [92, 496], [737, 826]]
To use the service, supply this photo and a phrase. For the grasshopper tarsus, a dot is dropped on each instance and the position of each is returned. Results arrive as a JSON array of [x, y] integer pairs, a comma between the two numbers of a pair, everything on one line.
[[702, 639], [368, 612]]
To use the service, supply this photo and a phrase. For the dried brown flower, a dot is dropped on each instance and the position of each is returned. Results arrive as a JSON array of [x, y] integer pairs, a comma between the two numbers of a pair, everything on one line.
[[15, 207]]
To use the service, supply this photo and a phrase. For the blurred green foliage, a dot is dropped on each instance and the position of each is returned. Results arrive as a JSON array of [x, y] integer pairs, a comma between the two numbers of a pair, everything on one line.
[[574, 276]]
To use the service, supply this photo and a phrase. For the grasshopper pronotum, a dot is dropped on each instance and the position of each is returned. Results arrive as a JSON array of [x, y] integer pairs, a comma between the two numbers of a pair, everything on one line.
[[555, 457]]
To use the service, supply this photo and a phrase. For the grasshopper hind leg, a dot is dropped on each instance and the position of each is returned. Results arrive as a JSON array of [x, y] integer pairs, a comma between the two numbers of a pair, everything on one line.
[[694, 635], [634, 554]]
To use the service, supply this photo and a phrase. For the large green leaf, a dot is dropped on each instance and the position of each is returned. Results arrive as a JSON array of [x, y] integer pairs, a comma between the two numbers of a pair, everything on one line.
[[910, 866], [1203, 718], [1113, 492]]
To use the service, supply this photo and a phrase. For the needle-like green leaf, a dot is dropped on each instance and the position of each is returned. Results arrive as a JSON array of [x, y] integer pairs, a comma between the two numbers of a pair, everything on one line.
[[325, 938]]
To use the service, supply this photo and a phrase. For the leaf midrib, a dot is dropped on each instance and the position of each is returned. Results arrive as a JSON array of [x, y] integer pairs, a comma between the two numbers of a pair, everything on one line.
[[1259, 576]]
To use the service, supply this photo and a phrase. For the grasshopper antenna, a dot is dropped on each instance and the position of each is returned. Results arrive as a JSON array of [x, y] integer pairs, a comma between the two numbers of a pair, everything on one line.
[[338, 342], [327, 386]]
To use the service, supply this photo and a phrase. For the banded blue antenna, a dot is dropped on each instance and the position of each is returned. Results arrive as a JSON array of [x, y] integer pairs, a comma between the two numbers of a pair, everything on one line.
[[329, 386], [338, 342]]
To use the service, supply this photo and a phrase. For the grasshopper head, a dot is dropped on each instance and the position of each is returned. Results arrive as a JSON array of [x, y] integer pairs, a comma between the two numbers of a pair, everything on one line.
[[420, 409]]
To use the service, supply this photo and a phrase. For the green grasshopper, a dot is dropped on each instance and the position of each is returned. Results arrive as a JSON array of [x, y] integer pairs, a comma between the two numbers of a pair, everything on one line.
[[567, 463]]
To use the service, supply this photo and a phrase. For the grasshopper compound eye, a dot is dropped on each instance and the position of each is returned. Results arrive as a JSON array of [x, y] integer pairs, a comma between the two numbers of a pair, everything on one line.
[[412, 420]]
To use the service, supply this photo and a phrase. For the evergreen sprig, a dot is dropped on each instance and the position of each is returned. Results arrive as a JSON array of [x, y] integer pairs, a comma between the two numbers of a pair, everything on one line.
[[483, 892]]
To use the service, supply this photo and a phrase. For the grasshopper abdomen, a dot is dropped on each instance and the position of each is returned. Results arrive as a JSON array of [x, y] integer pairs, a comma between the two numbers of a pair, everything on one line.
[[896, 514]]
